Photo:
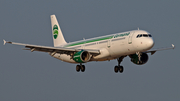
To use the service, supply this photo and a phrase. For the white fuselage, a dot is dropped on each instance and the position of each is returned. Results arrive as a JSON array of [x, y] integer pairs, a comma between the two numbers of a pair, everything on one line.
[[112, 46]]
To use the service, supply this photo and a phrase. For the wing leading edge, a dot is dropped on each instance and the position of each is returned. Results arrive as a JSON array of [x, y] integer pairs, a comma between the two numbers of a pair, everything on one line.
[[152, 51], [60, 50]]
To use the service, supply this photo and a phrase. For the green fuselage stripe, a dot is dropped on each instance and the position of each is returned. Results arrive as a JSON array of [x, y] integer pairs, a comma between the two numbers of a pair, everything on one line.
[[98, 39], [89, 41]]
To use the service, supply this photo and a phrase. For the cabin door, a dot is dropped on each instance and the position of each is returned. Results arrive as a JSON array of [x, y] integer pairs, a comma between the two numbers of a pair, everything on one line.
[[130, 38], [109, 43]]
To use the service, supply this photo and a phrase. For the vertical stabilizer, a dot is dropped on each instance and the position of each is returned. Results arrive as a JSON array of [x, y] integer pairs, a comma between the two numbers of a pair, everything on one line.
[[58, 37]]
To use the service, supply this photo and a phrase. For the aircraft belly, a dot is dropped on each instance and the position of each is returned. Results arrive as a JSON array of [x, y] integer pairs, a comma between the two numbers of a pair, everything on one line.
[[64, 57]]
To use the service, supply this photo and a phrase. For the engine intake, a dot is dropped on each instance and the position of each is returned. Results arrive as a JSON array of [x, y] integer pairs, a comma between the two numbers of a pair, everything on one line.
[[81, 56], [139, 60]]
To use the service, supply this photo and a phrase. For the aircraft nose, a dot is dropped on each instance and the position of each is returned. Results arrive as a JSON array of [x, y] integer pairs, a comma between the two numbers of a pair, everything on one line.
[[150, 43]]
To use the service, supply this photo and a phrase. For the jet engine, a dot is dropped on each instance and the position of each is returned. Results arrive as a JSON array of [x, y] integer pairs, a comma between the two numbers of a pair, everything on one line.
[[81, 56], [139, 59]]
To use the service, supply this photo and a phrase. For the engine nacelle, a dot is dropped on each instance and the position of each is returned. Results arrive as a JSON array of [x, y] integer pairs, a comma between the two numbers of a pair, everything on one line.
[[139, 60], [81, 56]]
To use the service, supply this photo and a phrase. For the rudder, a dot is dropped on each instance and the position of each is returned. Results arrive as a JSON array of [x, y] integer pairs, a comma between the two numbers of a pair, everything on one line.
[[58, 37]]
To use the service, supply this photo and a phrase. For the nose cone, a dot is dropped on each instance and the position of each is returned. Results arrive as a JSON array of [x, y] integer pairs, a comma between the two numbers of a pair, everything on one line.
[[150, 43]]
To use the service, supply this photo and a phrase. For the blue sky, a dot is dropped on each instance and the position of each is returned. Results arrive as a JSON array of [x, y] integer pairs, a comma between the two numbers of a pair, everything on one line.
[[37, 76]]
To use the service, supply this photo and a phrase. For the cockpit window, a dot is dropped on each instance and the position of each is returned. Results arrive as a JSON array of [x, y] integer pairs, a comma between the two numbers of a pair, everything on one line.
[[137, 36], [143, 35], [150, 35]]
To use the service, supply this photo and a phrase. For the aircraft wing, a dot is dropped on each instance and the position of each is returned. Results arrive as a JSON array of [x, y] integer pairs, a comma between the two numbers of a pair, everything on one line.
[[152, 51], [52, 50]]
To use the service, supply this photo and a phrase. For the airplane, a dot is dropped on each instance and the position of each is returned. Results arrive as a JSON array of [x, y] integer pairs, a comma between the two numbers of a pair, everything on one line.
[[135, 44]]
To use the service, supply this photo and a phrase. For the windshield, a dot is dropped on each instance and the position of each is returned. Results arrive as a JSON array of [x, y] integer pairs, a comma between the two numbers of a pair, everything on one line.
[[143, 35]]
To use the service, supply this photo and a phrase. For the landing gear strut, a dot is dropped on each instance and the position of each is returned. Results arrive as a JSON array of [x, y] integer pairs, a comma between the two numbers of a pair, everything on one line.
[[80, 67], [119, 68]]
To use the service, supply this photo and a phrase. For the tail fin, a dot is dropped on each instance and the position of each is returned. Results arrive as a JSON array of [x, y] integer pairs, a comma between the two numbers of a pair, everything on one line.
[[58, 37]]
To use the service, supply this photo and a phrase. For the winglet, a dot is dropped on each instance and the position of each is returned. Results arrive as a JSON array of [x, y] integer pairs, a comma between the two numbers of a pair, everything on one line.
[[4, 42], [7, 42], [173, 46]]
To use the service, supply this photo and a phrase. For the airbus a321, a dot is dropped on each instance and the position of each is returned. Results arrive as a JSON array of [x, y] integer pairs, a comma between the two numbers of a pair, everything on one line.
[[135, 44]]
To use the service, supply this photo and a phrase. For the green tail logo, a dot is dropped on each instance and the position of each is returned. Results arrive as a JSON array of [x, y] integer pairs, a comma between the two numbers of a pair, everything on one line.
[[55, 31]]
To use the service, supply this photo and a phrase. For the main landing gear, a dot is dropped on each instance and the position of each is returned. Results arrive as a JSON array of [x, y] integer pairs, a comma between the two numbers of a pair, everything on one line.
[[119, 68], [80, 68]]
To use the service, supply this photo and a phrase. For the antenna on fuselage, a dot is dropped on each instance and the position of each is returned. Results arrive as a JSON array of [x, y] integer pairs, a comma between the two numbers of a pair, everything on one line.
[[138, 28]]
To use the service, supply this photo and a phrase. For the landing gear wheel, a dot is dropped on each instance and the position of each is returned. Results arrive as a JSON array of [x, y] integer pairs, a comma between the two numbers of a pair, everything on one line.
[[116, 69], [78, 67], [121, 69], [82, 68]]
